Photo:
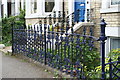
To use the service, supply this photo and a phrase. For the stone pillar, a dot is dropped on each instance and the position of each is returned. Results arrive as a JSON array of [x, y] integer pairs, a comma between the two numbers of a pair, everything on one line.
[[40, 7], [0, 9], [87, 3], [22, 4], [71, 9], [105, 4], [4, 2], [28, 7], [96, 17], [71, 6], [13, 7], [17, 11], [57, 8]]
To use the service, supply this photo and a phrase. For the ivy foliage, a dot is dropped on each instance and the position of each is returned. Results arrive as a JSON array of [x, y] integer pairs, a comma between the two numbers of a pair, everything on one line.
[[7, 24]]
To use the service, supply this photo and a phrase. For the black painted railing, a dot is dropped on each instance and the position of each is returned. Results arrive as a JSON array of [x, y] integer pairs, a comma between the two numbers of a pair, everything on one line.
[[68, 52]]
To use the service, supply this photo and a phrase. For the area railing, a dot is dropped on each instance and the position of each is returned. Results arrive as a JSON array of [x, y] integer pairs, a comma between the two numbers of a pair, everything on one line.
[[73, 53]]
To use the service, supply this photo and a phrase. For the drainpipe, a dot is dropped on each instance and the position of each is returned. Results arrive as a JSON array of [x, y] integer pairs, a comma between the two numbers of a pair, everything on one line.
[[63, 10], [63, 17]]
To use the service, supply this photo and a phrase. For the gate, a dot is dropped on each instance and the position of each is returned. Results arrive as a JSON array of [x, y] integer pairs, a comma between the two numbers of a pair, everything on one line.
[[50, 43]]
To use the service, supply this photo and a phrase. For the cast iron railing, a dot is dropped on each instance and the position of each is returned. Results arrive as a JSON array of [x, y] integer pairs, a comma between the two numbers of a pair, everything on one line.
[[59, 49], [114, 69]]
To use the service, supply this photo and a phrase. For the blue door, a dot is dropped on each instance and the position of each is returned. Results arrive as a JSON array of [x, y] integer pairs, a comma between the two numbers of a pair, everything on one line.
[[80, 4]]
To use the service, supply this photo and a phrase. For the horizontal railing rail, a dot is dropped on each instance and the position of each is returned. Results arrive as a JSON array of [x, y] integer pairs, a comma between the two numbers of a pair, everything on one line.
[[73, 53]]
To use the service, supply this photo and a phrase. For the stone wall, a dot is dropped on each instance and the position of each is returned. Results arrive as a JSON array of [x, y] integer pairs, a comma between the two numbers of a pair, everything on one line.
[[96, 18], [95, 15], [112, 19]]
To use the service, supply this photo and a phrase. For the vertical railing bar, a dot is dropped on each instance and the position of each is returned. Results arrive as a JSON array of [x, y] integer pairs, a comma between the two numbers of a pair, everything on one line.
[[45, 26], [31, 39], [41, 35], [37, 43], [28, 38], [110, 69], [34, 45], [102, 38], [12, 38], [72, 40], [41, 41]]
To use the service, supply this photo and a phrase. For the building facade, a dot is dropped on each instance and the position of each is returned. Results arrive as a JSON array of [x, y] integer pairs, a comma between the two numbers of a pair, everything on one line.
[[36, 9], [11, 7], [90, 10], [110, 11], [0, 10]]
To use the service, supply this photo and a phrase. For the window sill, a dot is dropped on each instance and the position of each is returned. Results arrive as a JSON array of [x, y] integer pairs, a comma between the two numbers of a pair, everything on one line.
[[114, 30], [37, 15], [110, 10]]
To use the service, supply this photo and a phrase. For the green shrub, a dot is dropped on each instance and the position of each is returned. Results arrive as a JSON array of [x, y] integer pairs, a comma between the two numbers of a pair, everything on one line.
[[89, 58], [96, 73], [7, 26]]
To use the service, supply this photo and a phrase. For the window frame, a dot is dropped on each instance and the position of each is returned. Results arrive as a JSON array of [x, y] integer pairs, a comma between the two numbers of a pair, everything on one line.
[[47, 13], [113, 5], [108, 8], [33, 6], [111, 40], [53, 5]]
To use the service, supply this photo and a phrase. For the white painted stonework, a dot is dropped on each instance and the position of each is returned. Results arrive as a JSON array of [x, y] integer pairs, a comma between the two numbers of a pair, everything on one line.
[[108, 8], [0, 9], [15, 7], [113, 31], [41, 8], [58, 7], [4, 2]]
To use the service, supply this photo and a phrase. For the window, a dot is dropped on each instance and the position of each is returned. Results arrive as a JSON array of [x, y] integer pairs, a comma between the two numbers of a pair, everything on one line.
[[115, 2], [109, 6], [49, 5], [34, 6], [115, 43]]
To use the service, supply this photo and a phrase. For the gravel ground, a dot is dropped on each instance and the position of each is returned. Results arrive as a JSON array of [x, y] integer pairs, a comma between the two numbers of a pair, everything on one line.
[[13, 67]]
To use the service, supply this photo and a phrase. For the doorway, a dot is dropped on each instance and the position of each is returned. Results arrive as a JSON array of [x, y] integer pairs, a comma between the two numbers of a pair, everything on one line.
[[79, 5]]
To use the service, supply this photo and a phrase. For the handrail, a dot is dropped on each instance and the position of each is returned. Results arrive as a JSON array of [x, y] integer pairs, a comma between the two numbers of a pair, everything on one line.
[[72, 13], [61, 15]]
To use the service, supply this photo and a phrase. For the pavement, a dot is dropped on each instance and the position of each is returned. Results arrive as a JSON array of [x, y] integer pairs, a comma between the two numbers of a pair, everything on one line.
[[13, 67], [18, 68]]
